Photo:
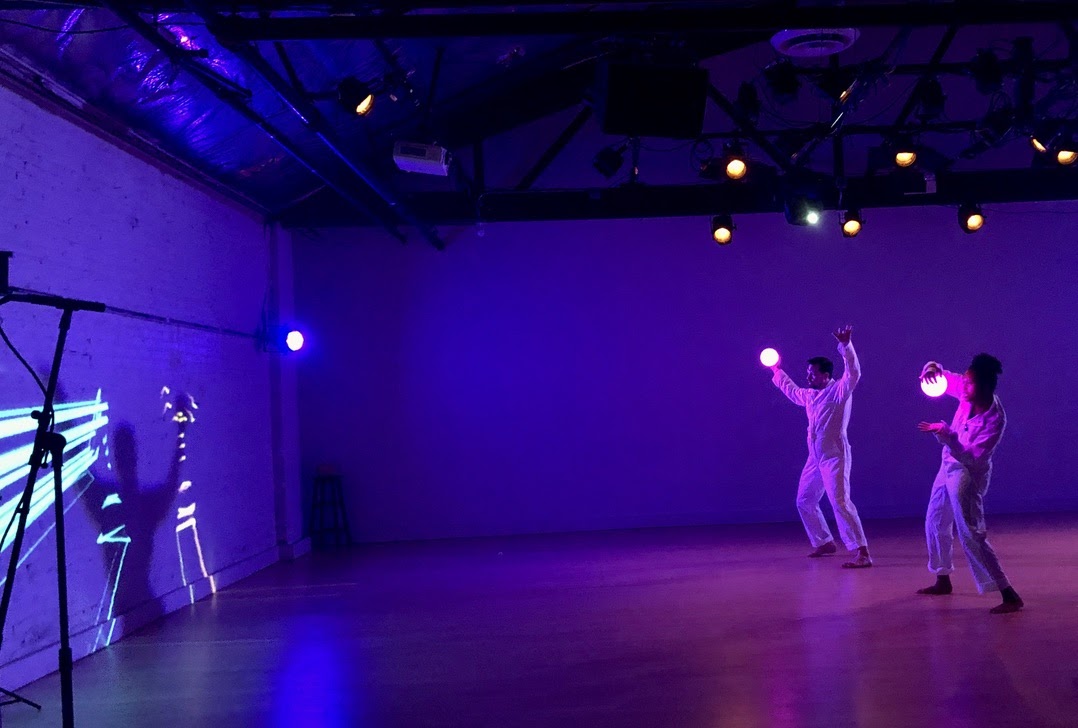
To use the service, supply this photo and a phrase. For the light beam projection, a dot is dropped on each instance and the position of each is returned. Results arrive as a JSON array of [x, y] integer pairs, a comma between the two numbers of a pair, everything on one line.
[[116, 541], [80, 423], [181, 410]]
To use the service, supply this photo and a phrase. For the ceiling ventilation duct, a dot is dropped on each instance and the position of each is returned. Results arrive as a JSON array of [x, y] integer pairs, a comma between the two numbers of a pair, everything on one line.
[[815, 43]]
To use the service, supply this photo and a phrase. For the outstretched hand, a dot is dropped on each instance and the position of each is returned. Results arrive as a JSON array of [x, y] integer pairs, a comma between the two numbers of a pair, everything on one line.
[[936, 428], [843, 334], [931, 373]]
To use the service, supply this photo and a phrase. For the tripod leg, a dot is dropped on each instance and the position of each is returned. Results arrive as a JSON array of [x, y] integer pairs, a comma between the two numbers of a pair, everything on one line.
[[16, 698], [67, 695]]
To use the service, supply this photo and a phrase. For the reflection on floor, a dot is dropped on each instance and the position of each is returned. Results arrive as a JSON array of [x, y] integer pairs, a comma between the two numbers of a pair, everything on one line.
[[726, 626]]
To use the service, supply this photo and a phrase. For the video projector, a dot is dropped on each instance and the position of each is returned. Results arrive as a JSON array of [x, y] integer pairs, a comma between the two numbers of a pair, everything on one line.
[[422, 158]]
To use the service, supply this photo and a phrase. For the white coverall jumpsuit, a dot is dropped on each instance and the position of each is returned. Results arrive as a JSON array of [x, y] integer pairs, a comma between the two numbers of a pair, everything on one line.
[[957, 498], [828, 466]]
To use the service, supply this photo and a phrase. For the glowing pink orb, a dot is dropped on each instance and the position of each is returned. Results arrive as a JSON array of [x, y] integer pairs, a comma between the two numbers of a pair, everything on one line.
[[935, 389], [769, 357]]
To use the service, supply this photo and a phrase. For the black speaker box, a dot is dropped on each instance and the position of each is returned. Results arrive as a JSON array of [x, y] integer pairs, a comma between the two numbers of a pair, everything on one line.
[[643, 100]]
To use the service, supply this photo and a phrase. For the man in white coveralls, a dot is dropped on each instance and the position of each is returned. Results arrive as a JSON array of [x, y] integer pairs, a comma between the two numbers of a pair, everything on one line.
[[828, 402], [957, 498]]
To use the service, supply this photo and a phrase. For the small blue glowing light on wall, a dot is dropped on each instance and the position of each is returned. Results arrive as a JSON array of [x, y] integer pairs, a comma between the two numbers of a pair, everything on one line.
[[281, 339], [293, 340]]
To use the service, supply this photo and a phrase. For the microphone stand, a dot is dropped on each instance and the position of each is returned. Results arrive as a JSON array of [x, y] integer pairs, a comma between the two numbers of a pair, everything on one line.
[[47, 444]]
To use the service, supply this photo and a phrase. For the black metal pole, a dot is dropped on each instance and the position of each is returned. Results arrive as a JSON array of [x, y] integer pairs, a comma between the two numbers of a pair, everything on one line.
[[48, 442], [44, 422], [56, 444]]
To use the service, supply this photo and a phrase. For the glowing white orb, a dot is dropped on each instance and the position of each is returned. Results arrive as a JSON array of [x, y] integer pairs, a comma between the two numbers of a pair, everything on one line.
[[769, 357], [934, 389]]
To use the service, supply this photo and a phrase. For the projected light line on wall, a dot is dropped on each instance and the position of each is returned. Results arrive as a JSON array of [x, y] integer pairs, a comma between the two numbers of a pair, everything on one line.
[[105, 617], [181, 410]]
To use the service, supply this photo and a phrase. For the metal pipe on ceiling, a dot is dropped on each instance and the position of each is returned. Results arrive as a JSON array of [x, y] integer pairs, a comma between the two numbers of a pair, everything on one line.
[[738, 198]]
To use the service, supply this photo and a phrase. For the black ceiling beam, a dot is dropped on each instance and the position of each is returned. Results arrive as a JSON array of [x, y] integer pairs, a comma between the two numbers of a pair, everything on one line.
[[951, 188], [566, 136], [532, 91], [486, 113], [865, 78], [236, 99], [710, 18], [309, 114], [933, 68], [337, 6], [747, 129], [739, 198], [948, 127]]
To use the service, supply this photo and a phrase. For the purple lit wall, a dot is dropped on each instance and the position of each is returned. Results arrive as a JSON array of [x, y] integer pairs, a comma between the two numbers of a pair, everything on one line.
[[147, 533], [559, 376]]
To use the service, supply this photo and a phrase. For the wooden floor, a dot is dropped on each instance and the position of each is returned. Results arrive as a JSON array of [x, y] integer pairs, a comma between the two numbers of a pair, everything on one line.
[[675, 627]]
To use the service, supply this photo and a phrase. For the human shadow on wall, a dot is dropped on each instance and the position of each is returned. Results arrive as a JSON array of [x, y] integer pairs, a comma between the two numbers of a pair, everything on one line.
[[128, 512]]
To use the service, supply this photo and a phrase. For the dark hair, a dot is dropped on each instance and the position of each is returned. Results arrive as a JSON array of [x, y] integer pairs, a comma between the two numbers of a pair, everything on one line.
[[985, 370], [824, 364]]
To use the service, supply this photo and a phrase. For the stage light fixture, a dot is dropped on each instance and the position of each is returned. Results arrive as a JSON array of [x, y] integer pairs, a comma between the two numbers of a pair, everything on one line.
[[970, 217], [852, 222], [836, 84], [801, 210], [905, 152], [781, 78], [294, 340], [722, 229], [1067, 152], [1042, 137], [355, 96], [281, 339], [736, 164], [609, 160]]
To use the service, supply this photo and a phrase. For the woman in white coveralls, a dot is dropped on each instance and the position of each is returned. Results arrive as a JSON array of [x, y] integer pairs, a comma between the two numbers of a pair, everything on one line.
[[957, 499], [827, 402]]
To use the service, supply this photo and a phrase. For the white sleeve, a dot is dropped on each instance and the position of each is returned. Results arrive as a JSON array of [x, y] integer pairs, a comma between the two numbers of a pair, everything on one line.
[[797, 395], [848, 382]]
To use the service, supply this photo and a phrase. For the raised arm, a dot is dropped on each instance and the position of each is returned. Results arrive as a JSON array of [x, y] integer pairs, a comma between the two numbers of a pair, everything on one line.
[[932, 370], [797, 395], [852, 374]]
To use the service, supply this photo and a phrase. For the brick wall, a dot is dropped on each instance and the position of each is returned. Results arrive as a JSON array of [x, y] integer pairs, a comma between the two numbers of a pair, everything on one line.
[[86, 219]]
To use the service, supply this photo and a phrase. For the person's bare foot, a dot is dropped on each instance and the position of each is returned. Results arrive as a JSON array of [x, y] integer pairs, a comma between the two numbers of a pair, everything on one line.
[[861, 561], [827, 549], [1011, 602], [1007, 607], [941, 587]]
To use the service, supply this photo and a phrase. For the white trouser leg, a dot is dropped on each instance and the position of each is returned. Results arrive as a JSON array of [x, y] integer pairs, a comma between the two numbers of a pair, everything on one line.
[[967, 502], [939, 527], [836, 479], [809, 492]]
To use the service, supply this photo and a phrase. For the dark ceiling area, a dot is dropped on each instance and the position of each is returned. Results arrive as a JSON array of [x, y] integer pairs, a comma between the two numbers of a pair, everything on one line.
[[520, 116]]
